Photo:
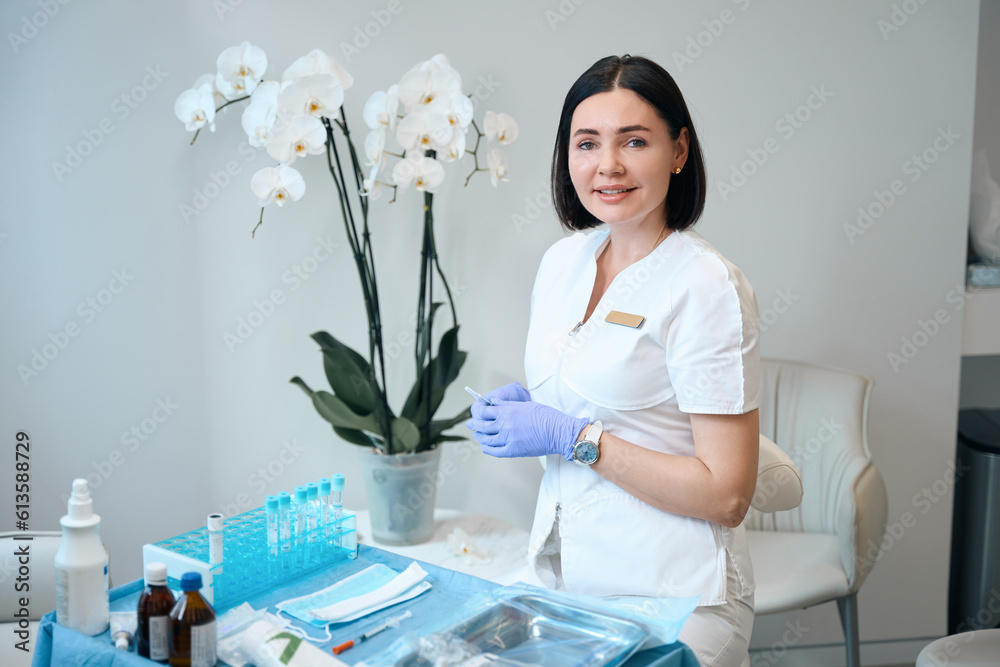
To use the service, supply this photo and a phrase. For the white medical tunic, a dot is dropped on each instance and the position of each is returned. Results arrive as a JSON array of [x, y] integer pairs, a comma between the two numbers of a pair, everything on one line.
[[696, 352]]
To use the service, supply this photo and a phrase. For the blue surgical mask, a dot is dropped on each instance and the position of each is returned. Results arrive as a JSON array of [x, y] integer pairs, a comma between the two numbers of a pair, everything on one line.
[[363, 593]]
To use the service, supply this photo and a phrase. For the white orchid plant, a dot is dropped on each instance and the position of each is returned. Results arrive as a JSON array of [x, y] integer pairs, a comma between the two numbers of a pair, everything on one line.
[[302, 114]]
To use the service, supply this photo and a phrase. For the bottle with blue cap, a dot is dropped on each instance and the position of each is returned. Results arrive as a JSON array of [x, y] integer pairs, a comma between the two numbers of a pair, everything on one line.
[[300, 527], [192, 626]]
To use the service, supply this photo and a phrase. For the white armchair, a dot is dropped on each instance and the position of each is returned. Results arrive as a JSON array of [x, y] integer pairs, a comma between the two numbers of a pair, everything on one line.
[[821, 550], [42, 549]]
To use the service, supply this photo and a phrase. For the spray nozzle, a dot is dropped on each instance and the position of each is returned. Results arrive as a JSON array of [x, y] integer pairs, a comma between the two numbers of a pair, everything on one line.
[[80, 506]]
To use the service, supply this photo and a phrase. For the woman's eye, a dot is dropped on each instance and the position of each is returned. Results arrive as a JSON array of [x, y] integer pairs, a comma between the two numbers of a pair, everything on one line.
[[585, 145], [636, 142]]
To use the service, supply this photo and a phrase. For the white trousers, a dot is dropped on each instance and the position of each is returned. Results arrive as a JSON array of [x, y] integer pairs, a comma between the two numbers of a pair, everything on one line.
[[720, 635]]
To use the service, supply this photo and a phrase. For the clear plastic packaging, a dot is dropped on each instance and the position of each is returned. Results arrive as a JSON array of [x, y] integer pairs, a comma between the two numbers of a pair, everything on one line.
[[525, 625]]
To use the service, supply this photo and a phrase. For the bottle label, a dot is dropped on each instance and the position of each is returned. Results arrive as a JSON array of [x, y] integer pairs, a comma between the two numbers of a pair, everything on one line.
[[203, 645], [159, 646], [82, 599]]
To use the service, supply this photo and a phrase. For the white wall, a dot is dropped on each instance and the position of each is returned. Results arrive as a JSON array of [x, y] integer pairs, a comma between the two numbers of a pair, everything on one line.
[[162, 336]]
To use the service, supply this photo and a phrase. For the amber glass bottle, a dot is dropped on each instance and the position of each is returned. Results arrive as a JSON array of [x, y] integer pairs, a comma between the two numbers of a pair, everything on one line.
[[153, 612], [192, 627]]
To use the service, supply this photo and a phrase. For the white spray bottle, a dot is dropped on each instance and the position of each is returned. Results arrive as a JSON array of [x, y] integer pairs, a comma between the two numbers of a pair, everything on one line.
[[81, 567]]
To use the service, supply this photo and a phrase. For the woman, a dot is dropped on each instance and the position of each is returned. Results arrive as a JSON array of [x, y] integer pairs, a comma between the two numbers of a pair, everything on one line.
[[642, 366]]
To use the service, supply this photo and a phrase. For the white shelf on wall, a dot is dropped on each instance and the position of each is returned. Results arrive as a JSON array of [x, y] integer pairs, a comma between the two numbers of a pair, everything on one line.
[[981, 321]]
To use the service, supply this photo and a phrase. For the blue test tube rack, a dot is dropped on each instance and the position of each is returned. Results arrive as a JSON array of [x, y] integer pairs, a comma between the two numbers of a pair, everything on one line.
[[248, 567]]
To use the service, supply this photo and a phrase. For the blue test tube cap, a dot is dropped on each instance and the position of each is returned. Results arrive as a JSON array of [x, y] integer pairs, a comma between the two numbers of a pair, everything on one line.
[[284, 500], [312, 490], [324, 486], [271, 504], [191, 581], [338, 482], [301, 496]]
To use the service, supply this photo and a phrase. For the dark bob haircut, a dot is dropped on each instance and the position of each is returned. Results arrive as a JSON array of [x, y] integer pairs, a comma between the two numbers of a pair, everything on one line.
[[686, 196]]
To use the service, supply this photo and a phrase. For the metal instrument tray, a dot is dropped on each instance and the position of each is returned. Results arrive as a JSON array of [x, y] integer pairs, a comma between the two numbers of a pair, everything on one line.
[[534, 630]]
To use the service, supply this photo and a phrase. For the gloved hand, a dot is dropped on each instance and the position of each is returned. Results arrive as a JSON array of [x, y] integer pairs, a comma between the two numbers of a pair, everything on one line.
[[509, 392], [524, 428]]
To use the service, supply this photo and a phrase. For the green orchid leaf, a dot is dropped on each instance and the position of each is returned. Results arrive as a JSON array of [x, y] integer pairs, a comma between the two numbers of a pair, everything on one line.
[[439, 426], [326, 341], [349, 381], [302, 385], [443, 370], [335, 411], [448, 438], [405, 435], [355, 437]]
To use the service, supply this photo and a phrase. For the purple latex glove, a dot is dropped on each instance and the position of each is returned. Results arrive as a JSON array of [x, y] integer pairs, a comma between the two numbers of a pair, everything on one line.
[[524, 428], [509, 392]]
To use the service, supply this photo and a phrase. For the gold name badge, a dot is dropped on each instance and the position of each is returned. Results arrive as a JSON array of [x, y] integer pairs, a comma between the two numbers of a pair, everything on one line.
[[625, 319]]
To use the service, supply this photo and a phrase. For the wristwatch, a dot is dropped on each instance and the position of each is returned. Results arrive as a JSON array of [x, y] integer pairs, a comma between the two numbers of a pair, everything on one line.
[[587, 450]]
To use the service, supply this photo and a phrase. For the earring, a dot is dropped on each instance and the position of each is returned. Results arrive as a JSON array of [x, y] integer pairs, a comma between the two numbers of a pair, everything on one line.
[[677, 170]]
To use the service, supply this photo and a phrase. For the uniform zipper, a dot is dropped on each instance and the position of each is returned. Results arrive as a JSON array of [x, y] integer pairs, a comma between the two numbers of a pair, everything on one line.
[[576, 328]]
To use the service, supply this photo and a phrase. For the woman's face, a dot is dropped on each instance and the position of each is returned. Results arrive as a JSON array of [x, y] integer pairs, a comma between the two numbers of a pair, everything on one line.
[[621, 157]]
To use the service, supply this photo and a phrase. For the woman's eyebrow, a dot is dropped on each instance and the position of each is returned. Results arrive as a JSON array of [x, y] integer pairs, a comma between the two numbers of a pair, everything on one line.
[[621, 130]]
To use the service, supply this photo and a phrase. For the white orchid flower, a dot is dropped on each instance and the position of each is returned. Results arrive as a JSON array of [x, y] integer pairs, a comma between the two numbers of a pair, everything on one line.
[[500, 128], [241, 67], [196, 108], [427, 81], [315, 95], [317, 62], [497, 161], [278, 185], [456, 107], [218, 97], [374, 146], [232, 90], [422, 172], [302, 135], [262, 112], [381, 109], [456, 149], [424, 128]]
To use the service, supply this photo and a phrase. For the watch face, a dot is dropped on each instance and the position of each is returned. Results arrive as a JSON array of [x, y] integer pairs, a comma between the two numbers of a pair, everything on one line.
[[585, 452]]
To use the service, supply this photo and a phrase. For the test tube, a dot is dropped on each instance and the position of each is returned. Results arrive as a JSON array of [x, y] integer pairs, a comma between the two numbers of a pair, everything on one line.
[[324, 502], [301, 521], [337, 505], [285, 526], [312, 510], [215, 539], [271, 510]]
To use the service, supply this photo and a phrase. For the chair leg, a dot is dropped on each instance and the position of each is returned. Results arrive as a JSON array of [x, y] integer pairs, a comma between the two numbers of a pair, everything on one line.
[[848, 607]]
